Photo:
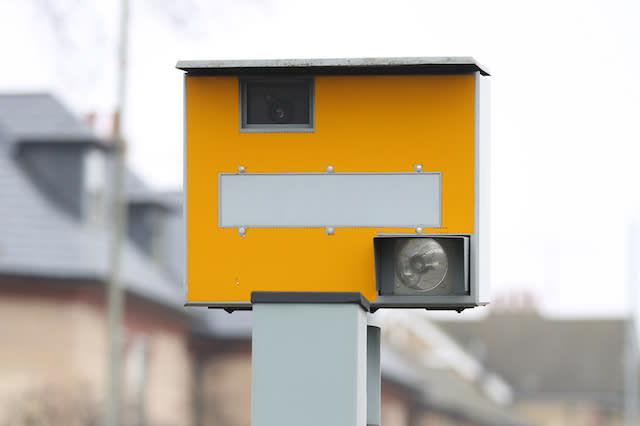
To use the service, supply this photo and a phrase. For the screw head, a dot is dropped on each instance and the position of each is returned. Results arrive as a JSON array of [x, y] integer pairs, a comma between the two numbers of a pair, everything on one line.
[[330, 230], [417, 167], [329, 169], [241, 169], [242, 231], [418, 230]]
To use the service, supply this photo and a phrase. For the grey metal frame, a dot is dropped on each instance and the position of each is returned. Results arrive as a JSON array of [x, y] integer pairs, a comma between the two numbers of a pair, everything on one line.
[[482, 150], [227, 306], [419, 65], [474, 261], [242, 91], [480, 212], [184, 187]]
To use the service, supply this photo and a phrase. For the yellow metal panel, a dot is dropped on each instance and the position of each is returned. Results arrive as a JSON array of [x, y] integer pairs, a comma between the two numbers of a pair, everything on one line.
[[362, 124]]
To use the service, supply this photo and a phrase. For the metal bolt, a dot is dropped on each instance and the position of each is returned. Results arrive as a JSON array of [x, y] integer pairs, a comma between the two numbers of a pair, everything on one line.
[[330, 230], [242, 231], [417, 167], [329, 169], [241, 169], [418, 230]]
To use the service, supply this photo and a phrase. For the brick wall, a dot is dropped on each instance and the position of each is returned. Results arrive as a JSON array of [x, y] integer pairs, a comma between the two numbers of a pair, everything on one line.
[[53, 355], [567, 413]]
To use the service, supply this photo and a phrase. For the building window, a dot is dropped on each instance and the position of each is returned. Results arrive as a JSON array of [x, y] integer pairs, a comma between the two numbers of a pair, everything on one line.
[[136, 360], [157, 235], [276, 104], [147, 228], [95, 175]]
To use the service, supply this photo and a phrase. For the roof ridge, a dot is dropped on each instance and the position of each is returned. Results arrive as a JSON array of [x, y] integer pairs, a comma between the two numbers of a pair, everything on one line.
[[27, 93]]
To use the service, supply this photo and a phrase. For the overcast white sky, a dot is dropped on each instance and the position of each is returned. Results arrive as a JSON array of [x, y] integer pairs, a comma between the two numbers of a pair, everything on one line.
[[565, 104]]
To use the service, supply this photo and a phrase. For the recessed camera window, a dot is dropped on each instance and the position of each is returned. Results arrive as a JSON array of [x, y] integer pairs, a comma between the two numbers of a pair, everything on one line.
[[272, 104]]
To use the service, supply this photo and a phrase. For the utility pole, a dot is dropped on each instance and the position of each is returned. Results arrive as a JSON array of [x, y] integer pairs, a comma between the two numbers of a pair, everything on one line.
[[631, 350], [114, 289]]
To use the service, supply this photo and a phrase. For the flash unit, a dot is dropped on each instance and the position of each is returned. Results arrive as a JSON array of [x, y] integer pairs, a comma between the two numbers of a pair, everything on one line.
[[429, 271]]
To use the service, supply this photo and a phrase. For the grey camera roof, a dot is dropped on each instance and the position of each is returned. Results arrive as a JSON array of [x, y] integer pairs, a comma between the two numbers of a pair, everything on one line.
[[356, 66]]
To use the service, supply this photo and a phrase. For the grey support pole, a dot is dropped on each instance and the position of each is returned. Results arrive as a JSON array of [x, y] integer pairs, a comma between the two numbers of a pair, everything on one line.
[[631, 344], [373, 375], [115, 293], [309, 359]]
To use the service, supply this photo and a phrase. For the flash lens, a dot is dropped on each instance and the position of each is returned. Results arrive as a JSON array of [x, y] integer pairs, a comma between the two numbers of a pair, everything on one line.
[[421, 263]]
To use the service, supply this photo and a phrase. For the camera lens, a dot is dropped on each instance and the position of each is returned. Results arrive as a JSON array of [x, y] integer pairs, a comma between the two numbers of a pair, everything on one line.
[[281, 111]]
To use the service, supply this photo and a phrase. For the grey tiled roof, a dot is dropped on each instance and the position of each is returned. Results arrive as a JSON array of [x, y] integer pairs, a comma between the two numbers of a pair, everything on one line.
[[175, 229], [40, 116], [549, 358], [444, 389], [39, 239], [221, 325]]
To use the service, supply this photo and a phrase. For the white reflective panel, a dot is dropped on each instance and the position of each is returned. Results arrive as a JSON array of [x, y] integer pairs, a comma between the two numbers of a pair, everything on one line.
[[331, 199]]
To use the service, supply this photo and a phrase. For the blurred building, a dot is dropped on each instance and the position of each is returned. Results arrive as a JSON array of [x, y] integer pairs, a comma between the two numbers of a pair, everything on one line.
[[562, 371], [181, 366], [54, 265]]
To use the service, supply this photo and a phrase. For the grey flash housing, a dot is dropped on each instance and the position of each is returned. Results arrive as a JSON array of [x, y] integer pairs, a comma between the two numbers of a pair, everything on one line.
[[401, 261]]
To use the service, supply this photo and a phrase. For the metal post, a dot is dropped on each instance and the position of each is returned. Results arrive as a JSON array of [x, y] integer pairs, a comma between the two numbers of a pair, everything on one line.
[[631, 350], [309, 359], [114, 290], [373, 375]]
